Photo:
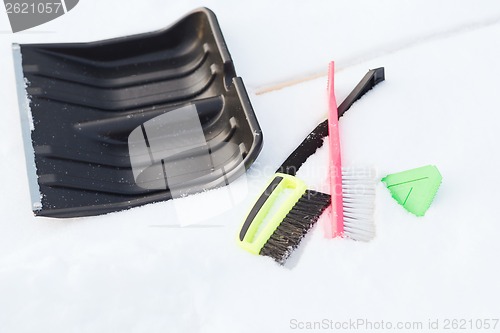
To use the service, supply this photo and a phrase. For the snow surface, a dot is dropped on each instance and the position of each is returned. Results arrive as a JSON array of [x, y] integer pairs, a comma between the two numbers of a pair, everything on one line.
[[138, 271]]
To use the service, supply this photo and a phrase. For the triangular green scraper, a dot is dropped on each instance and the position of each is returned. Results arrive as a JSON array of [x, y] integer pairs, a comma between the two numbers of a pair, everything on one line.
[[414, 189]]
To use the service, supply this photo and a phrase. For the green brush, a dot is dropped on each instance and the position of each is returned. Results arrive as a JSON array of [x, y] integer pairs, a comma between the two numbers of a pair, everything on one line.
[[293, 217]]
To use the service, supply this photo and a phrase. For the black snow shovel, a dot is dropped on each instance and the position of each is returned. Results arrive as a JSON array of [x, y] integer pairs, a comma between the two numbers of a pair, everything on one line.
[[114, 124]]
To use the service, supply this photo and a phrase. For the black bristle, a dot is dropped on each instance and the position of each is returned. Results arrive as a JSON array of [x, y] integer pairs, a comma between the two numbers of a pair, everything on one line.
[[295, 226]]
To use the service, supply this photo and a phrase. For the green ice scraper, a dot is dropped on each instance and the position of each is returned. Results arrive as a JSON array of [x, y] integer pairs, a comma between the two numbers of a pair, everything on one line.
[[414, 189]]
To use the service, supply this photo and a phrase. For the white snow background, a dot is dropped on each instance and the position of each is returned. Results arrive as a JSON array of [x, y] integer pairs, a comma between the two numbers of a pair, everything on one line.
[[136, 271]]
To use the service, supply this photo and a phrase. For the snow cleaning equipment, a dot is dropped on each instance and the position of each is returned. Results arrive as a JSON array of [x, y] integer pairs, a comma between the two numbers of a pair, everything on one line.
[[414, 189], [352, 190], [115, 124], [286, 210]]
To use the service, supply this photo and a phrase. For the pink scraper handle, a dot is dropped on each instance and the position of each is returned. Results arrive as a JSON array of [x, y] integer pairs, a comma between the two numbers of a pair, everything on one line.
[[336, 226]]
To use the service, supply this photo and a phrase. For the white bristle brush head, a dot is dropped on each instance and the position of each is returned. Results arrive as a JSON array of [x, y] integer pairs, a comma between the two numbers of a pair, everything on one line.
[[358, 191]]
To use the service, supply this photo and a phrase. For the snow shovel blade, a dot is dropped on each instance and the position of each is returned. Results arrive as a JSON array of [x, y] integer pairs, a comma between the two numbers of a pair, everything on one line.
[[81, 102]]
